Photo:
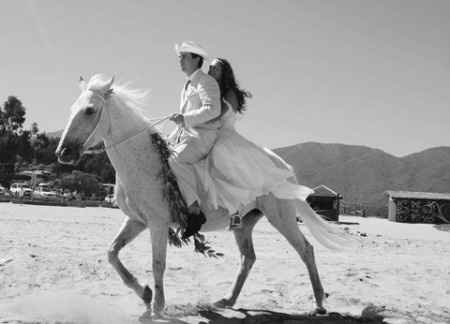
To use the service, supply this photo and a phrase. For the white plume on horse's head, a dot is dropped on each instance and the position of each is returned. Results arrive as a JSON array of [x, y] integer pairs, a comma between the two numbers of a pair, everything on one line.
[[98, 82]]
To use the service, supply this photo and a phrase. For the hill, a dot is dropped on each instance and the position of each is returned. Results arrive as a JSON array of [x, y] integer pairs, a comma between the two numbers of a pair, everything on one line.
[[362, 174]]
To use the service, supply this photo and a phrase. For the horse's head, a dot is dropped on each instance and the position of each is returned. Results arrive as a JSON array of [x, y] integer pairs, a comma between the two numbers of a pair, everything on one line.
[[87, 124]]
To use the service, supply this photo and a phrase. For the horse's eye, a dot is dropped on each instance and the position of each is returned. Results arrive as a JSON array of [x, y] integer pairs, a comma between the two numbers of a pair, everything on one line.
[[89, 111]]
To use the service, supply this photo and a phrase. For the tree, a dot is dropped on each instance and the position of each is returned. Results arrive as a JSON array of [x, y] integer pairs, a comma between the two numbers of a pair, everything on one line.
[[24, 149], [43, 148], [13, 115], [47, 153], [34, 129], [82, 182], [13, 140], [9, 147], [100, 165]]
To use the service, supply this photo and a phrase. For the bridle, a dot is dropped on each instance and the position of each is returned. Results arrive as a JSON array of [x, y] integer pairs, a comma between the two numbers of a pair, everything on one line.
[[114, 144]]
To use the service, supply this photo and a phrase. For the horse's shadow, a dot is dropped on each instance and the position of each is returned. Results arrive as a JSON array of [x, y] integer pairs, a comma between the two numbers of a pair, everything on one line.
[[251, 316], [244, 316]]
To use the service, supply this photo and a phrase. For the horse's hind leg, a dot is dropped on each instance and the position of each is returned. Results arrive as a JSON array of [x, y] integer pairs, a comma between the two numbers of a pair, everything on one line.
[[244, 240], [159, 234], [281, 213], [130, 229]]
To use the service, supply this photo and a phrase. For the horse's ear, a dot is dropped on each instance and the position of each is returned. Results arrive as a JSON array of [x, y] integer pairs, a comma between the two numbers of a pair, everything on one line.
[[82, 84], [107, 87], [110, 83]]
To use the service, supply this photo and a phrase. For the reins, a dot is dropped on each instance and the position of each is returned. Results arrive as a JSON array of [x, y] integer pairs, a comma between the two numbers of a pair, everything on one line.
[[109, 146], [157, 122]]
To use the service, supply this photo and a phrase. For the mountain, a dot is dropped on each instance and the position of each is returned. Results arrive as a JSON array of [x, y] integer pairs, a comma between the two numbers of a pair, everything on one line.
[[362, 174]]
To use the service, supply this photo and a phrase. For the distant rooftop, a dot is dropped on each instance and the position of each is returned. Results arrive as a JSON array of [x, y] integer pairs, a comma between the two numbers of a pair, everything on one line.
[[418, 195], [324, 191]]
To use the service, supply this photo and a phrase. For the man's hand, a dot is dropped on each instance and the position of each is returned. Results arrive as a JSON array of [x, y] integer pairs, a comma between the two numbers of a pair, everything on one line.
[[177, 118]]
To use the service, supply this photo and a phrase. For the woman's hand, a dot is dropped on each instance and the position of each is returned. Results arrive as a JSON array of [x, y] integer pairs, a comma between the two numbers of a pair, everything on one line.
[[177, 119]]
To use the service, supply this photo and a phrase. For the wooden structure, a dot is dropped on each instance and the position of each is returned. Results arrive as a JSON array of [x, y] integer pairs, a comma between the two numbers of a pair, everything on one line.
[[325, 202], [418, 207], [34, 177]]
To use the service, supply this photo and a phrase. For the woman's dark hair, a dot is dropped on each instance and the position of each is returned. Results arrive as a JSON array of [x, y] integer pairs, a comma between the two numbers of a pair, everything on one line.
[[228, 82]]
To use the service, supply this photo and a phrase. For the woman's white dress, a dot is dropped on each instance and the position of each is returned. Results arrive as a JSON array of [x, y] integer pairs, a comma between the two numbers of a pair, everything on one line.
[[240, 171]]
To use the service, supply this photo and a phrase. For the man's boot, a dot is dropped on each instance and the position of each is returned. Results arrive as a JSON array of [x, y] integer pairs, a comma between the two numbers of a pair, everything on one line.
[[195, 220]]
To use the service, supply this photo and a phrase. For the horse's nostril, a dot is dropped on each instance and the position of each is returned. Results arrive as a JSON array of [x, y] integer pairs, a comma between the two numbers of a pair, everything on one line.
[[67, 155]]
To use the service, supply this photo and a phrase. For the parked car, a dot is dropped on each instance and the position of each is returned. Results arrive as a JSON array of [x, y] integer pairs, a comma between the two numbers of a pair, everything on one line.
[[3, 191], [21, 190], [44, 190], [66, 194]]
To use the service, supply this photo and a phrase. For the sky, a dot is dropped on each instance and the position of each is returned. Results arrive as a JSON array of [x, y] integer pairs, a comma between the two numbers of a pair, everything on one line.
[[372, 73]]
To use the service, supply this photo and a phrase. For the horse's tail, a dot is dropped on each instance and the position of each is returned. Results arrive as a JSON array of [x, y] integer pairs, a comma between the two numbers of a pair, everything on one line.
[[329, 235]]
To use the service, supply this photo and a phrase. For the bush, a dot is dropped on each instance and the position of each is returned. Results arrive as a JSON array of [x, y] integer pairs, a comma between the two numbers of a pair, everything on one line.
[[84, 183]]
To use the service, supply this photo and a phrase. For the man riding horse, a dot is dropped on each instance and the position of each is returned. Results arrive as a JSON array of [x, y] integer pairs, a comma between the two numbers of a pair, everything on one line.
[[198, 123]]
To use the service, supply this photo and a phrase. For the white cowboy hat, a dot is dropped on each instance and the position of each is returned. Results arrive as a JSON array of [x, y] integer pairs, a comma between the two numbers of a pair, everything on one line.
[[190, 47]]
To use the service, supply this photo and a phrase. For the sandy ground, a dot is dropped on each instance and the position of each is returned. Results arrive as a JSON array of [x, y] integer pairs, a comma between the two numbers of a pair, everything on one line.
[[53, 269]]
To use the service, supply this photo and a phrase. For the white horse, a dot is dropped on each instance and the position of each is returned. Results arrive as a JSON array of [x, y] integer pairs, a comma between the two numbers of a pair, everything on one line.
[[111, 114]]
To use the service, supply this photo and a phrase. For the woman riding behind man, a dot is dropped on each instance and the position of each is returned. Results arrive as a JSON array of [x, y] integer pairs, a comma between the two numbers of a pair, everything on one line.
[[239, 170]]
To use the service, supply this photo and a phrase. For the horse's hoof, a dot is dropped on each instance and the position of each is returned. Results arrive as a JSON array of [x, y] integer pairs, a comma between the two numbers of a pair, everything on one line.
[[147, 296], [223, 303], [149, 317], [146, 317], [319, 311]]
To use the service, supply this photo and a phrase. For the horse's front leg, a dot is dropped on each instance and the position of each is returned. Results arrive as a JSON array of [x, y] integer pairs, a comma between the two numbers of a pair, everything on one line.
[[159, 235], [130, 229]]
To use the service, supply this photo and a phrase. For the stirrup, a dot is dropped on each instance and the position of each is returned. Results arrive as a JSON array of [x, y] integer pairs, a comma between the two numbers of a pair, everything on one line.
[[235, 221]]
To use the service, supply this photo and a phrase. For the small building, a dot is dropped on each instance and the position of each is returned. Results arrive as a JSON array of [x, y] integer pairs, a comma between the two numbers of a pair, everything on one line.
[[326, 202], [418, 207]]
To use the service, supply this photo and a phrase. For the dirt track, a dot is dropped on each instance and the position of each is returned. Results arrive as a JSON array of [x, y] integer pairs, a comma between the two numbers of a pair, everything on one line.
[[53, 268]]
